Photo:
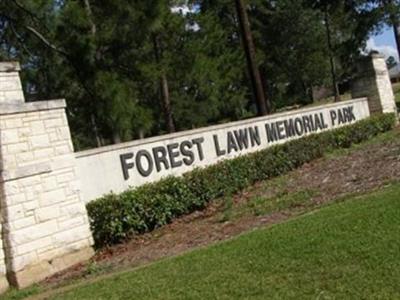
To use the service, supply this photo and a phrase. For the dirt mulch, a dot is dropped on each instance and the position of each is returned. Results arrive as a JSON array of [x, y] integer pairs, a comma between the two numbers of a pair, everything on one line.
[[359, 171]]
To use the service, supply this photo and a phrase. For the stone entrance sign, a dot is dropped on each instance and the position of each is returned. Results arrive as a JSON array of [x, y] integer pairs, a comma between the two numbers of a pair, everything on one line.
[[116, 168], [44, 185]]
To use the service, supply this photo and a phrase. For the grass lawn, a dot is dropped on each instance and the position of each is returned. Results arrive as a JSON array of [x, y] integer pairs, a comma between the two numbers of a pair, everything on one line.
[[349, 250]]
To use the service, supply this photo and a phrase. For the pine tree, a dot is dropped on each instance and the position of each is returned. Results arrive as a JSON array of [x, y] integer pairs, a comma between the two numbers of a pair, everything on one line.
[[249, 48]]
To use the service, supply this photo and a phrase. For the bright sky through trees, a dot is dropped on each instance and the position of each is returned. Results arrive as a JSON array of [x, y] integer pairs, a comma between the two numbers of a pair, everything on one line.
[[384, 43]]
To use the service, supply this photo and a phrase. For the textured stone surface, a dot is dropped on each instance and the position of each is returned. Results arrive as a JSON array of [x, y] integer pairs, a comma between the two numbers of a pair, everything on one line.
[[10, 83], [48, 266], [10, 66], [384, 85], [12, 107], [38, 184], [41, 192], [373, 81], [3, 284]]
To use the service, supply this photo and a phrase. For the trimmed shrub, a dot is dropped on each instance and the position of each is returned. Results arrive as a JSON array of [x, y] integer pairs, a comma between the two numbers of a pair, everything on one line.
[[114, 218]]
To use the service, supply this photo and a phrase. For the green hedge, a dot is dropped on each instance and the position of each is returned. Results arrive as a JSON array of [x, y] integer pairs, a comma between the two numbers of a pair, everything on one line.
[[114, 218]]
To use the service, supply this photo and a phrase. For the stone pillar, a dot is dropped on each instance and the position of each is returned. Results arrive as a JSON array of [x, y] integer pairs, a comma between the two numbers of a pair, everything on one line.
[[45, 223], [10, 88], [373, 81], [10, 83]]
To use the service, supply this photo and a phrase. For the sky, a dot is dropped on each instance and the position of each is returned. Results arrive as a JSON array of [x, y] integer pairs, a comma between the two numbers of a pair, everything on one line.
[[384, 43]]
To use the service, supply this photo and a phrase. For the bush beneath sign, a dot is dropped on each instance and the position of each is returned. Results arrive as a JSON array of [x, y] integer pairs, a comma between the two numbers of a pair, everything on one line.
[[115, 218]]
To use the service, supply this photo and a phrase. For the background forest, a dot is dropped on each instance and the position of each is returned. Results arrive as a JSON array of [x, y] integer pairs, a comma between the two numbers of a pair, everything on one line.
[[138, 68]]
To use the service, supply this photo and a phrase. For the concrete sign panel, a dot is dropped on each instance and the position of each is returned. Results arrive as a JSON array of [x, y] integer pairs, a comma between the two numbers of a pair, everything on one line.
[[117, 168]]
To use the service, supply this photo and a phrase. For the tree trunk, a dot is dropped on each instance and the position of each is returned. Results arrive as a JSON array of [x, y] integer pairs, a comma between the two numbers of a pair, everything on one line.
[[116, 137], [96, 131], [396, 30], [93, 27], [264, 81], [93, 30], [331, 56], [141, 134], [250, 51], [164, 88], [166, 101]]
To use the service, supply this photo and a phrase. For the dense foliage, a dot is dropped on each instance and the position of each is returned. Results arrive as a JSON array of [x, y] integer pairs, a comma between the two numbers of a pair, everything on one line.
[[114, 217], [132, 69]]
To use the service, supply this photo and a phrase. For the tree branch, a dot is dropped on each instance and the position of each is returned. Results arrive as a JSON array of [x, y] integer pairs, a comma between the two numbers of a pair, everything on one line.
[[45, 41]]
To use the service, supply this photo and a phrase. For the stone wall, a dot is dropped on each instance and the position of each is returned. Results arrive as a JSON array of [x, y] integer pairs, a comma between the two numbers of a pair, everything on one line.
[[10, 88], [10, 83], [101, 172], [45, 224], [373, 81]]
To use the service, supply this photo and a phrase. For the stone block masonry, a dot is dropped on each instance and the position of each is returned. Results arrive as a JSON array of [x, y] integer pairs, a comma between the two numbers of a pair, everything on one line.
[[373, 81], [45, 227], [10, 83]]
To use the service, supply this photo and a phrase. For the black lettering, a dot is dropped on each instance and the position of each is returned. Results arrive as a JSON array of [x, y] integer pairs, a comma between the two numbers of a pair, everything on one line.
[[318, 122], [173, 155], [126, 166], [217, 148], [350, 110], [289, 128], [198, 142], [333, 117], [312, 124], [272, 132], [299, 126], [341, 118], [188, 155], [307, 124], [346, 115], [139, 164], [160, 157], [232, 143], [324, 125], [255, 136], [281, 130], [242, 138]]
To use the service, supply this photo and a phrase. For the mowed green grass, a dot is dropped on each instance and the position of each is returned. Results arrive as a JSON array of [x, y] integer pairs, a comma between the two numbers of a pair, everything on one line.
[[349, 250]]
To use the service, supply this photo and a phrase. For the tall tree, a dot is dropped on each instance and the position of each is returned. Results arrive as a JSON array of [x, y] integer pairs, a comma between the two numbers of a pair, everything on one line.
[[327, 22], [250, 51], [328, 8], [348, 26], [121, 65], [164, 87], [296, 62]]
